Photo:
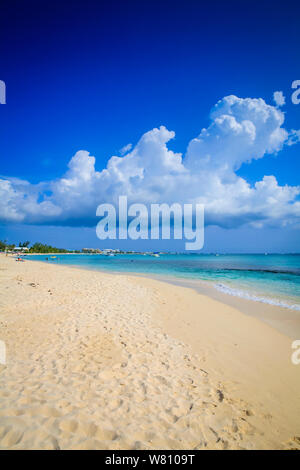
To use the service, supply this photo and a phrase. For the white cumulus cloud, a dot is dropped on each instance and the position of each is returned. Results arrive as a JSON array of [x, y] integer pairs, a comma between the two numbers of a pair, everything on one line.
[[125, 149], [241, 130], [279, 98]]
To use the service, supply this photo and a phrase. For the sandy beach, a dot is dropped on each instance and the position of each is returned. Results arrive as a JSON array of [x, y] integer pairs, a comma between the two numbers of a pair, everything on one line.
[[105, 361]]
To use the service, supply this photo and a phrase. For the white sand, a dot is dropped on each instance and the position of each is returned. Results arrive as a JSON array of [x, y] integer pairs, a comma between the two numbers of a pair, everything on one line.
[[100, 361]]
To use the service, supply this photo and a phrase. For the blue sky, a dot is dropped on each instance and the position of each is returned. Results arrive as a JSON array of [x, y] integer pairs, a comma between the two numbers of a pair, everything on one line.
[[96, 76]]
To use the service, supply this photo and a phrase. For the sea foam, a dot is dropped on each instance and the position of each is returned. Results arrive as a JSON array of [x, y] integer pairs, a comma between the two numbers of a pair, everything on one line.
[[246, 295]]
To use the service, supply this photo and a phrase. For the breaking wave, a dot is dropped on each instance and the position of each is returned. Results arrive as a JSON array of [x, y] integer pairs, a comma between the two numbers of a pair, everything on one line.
[[246, 295]]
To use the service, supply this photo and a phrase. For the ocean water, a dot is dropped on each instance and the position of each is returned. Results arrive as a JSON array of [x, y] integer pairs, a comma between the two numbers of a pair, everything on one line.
[[273, 279]]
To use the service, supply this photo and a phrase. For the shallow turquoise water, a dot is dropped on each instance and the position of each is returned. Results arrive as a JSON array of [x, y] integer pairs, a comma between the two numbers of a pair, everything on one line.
[[272, 279]]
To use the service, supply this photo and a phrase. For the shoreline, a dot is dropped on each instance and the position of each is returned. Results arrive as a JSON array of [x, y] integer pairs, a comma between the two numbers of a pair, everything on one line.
[[284, 320], [99, 360]]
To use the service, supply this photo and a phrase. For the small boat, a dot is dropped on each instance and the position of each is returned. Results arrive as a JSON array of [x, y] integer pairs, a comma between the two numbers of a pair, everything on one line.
[[52, 257]]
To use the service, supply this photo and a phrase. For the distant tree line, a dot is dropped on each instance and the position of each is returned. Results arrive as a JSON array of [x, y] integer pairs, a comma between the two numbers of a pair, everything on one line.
[[41, 248], [35, 248], [24, 244], [5, 246]]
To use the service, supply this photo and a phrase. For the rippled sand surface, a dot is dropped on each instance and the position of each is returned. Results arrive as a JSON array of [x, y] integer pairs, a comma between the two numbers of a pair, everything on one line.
[[100, 361]]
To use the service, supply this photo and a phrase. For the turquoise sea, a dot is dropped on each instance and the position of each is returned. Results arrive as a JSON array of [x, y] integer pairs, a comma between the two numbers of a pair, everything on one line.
[[272, 278]]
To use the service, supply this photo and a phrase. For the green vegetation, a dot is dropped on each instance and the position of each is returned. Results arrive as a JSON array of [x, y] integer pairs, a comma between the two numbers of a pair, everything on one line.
[[41, 248], [24, 244], [35, 248], [5, 246]]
